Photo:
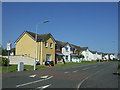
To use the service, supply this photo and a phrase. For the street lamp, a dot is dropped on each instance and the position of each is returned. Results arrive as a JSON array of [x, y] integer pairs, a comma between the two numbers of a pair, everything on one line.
[[35, 57]]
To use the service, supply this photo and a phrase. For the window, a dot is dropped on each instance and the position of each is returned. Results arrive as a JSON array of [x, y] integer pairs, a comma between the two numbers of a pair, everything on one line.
[[66, 49], [66, 57], [71, 49], [51, 45], [58, 47], [46, 44]]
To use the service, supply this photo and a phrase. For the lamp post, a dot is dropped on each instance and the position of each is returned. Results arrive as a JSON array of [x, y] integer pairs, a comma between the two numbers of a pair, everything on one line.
[[35, 57]]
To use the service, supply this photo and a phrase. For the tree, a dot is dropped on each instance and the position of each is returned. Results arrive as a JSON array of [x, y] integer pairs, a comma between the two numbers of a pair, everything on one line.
[[80, 56]]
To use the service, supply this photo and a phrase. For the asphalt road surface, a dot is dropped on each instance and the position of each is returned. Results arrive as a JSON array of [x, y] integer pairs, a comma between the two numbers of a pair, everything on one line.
[[100, 75]]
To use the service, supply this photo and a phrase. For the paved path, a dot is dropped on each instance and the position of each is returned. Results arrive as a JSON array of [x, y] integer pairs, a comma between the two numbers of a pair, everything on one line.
[[100, 75]]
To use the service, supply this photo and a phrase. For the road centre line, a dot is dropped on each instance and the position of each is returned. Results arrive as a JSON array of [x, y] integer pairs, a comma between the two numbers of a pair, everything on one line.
[[65, 72], [33, 82], [32, 75], [86, 68], [79, 85], [75, 71], [43, 87]]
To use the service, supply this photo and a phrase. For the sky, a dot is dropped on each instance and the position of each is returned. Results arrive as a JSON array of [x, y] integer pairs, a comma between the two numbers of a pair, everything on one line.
[[85, 24]]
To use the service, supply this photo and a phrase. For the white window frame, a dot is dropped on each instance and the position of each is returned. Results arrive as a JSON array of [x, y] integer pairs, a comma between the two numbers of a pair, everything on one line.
[[46, 44], [66, 48], [51, 45], [58, 49]]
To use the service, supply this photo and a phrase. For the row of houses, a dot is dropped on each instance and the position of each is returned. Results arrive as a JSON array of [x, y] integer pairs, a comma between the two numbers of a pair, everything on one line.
[[46, 48]]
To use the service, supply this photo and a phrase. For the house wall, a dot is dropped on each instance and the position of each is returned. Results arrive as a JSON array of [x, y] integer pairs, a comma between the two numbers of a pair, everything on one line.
[[112, 56], [106, 57], [99, 56], [48, 50], [88, 55], [66, 53], [25, 46]]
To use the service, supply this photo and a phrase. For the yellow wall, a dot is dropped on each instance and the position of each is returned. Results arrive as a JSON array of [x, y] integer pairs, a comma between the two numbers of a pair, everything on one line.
[[48, 50], [26, 45]]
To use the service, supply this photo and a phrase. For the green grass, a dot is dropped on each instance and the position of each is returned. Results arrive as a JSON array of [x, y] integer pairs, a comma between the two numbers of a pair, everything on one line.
[[13, 68], [74, 63]]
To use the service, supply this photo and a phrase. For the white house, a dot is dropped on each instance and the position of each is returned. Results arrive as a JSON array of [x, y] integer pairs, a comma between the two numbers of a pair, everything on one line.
[[87, 54], [66, 52], [99, 55], [105, 56], [112, 56], [95, 55]]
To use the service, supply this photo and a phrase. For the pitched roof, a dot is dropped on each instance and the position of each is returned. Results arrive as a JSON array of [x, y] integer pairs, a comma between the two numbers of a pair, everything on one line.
[[94, 52], [83, 48], [40, 37], [60, 43]]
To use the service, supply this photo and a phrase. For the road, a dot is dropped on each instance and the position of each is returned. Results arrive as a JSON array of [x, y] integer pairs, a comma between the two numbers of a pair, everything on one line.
[[100, 75]]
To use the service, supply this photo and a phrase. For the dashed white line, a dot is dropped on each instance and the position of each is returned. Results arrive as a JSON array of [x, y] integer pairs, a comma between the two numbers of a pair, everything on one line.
[[43, 87], [33, 82], [65, 72], [75, 71], [44, 76], [32, 75], [85, 68]]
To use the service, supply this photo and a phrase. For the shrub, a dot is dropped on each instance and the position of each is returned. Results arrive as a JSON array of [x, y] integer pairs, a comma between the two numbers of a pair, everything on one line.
[[4, 61]]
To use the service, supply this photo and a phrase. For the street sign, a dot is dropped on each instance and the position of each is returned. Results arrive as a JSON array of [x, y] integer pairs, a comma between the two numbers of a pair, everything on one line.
[[8, 46]]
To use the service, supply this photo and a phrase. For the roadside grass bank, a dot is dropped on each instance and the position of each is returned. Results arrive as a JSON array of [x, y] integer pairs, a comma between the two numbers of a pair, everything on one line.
[[75, 63], [13, 68]]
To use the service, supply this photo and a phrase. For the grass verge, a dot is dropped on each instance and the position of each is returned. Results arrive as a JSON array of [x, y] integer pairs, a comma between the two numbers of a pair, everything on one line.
[[74, 63], [13, 68]]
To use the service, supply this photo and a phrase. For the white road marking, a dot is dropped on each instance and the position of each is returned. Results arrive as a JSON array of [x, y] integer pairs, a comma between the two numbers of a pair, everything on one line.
[[65, 72], [33, 82], [82, 82], [43, 87], [32, 75], [75, 71], [44, 76], [79, 85], [85, 68], [94, 66]]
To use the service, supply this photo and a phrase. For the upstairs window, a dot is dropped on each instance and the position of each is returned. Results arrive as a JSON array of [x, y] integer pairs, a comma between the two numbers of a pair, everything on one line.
[[51, 45], [66, 49], [58, 47], [46, 44]]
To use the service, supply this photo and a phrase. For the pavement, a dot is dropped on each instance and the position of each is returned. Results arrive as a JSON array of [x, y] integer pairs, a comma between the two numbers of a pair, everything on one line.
[[99, 75]]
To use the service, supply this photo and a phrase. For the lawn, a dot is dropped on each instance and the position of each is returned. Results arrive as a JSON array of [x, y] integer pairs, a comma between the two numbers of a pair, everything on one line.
[[74, 63], [13, 68]]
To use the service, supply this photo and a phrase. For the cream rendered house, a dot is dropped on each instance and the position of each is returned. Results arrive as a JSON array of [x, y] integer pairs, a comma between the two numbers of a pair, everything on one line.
[[43, 49]]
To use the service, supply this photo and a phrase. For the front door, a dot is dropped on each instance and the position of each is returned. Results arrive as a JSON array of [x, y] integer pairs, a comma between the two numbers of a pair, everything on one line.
[[48, 57]]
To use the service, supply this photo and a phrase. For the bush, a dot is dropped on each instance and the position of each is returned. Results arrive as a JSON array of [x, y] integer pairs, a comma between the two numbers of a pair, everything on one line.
[[4, 61]]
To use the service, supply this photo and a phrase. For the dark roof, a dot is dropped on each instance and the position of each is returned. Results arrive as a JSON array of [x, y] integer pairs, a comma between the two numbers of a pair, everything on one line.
[[94, 52], [75, 47], [39, 36], [99, 52], [60, 43], [83, 48]]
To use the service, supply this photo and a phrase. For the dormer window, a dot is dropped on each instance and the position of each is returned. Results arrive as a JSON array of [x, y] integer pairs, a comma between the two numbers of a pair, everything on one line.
[[46, 44]]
